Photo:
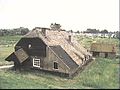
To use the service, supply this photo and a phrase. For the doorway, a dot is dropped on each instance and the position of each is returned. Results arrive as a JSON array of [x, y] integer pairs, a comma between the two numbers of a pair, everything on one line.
[[106, 55], [95, 54]]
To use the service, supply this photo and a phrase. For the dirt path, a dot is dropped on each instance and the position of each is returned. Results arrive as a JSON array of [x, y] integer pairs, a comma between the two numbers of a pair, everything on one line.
[[6, 66]]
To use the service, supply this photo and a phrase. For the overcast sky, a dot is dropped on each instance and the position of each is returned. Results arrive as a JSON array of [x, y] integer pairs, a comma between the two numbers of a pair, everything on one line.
[[71, 14]]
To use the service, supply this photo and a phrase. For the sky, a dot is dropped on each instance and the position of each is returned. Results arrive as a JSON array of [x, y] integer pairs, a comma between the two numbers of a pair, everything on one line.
[[71, 14]]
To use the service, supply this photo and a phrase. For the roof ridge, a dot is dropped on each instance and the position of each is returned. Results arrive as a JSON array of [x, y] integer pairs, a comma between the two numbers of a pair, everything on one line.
[[60, 38]]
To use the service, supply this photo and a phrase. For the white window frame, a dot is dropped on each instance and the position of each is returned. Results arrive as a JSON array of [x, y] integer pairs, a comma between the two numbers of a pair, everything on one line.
[[36, 62]]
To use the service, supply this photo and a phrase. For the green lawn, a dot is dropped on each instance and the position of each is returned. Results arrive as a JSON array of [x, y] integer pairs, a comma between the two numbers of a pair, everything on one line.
[[101, 73]]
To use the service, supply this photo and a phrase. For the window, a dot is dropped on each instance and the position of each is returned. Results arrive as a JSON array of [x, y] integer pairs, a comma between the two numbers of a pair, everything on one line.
[[95, 54], [29, 46], [36, 62], [106, 55], [55, 65]]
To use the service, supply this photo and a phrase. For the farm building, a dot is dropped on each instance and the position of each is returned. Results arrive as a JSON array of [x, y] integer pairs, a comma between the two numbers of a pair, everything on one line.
[[51, 50], [103, 50]]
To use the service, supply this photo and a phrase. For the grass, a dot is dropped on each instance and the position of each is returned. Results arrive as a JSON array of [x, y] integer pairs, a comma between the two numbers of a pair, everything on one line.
[[9, 40], [4, 52], [100, 74], [7, 44]]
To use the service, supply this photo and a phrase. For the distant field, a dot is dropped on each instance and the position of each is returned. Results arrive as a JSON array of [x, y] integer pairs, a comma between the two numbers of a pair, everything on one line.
[[7, 47], [101, 73], [86, 41], [9, 40]]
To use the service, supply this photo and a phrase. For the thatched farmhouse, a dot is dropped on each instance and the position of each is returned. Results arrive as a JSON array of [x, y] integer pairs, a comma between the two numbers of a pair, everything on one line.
[[105, 50], [50, 49]]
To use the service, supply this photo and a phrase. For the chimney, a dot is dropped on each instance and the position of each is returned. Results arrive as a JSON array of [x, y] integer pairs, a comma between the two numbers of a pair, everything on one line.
[[44, 31], [69, 38]]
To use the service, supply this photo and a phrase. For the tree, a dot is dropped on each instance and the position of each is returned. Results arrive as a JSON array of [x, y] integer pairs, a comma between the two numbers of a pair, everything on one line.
[[104, 31], [24, 31], [91, 31], [71, 31], [77, 32], [118, 35]]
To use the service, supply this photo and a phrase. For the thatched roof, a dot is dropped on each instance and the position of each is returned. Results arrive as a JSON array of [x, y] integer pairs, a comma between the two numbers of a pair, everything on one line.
[[19, 55], [64, 57], [103, 47], [52, 38]]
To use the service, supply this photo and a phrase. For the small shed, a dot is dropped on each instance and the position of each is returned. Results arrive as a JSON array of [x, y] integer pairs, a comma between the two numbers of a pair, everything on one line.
[[49, 50], [105, 50]]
